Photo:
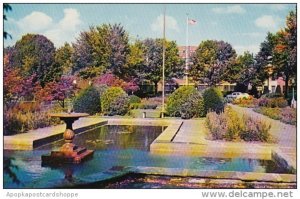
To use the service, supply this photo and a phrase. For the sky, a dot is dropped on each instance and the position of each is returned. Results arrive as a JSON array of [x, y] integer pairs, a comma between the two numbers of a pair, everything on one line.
[[244, 26]]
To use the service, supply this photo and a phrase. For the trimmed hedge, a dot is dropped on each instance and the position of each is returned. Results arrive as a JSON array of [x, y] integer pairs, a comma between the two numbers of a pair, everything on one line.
[[88, 101], [185, 102], [213, 100], [134, 99], [114, 101]]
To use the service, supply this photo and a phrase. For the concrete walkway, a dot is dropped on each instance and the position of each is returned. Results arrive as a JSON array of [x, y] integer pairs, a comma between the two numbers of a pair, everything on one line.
[[35, 138], [191, 139]]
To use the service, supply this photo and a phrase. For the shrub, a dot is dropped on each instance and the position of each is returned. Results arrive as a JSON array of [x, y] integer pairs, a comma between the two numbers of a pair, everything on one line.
[[134, 99], [246, 102], [134, 105], [255, 130], [147, 105], [88, 101], [229, 126], [217, 125], [213, 99], [273, 102], [18, 120], [114, 101], [289, 116], [185, 102], [286, 115]]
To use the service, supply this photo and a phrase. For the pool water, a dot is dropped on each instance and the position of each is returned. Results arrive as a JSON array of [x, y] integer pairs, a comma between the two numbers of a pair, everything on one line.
[[114, 146]]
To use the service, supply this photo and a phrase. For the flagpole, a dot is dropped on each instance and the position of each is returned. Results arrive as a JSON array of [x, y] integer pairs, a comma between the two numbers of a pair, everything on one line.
[[163, 70], [186, 50]]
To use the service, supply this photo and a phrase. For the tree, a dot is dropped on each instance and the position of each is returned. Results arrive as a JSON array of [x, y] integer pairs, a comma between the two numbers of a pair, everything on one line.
[[285, 50], [34, 54], [6, 8], [118, 38], [135, 60], [102, 49], [242, 70], [153, 67], [262, 60], [60, 90], [113, 81], [212, 61], [63, 58]]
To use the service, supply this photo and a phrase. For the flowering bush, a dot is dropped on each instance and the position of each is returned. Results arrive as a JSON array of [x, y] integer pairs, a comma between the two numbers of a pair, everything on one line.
[[185, 102], [229, 126], [27, 116], [255, 130], [112, 80], [286, 115], [114, 101], [249, 102], [289, 116]]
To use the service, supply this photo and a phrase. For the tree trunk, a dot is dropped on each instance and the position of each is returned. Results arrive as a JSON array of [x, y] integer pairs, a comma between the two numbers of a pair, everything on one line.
[[286, 90]]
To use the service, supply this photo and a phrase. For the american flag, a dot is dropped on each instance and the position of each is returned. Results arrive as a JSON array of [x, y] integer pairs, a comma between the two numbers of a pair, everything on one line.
[[192, 21]]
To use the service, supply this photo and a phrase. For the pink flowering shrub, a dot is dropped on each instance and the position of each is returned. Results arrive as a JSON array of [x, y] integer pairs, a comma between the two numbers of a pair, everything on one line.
[[113, 81]]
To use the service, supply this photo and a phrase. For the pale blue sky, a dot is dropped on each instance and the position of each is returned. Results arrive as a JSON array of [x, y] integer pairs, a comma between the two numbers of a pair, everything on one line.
[[243, 25]]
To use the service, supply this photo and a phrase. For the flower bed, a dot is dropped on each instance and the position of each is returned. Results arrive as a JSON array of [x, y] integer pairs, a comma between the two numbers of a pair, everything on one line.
[[229, 126], [250, 102], [23, 117], [286, 115]]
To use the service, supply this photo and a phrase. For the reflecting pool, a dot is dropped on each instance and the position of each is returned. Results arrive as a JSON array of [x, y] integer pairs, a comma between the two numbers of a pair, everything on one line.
[[115, 146]]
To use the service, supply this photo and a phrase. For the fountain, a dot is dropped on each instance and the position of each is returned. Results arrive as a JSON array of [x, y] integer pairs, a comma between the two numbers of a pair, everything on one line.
[[69, 152]]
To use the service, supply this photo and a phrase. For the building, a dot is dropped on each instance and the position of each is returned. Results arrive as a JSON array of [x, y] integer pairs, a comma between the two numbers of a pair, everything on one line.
[[272, 83]]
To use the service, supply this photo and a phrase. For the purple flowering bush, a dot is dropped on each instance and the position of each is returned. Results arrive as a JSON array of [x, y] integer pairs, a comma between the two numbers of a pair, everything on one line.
[[229, 126], [286, 115]]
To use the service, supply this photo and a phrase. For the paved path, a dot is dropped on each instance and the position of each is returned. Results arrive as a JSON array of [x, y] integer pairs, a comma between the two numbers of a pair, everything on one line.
[[192, 131]]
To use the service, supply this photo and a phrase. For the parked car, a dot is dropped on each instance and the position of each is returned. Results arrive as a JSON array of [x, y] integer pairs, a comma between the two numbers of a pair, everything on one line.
[[237, 95]]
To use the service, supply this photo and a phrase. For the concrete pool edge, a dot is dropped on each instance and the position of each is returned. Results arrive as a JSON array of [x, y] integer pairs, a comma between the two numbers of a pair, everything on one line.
[[43, 136], [112, 176], [34, 139]]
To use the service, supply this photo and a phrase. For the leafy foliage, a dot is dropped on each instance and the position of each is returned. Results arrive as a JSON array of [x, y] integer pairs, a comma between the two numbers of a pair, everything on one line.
[[213, 99], [212, 61], [63, 58], [34, 54], [114, 101], [185, 102], [88, 101], [153, 67], [112, 80]]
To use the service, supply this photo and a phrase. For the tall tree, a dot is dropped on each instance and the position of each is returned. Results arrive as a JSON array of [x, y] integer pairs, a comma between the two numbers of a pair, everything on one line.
[[34, 54], [153, 65], [285, 50], [135, 61], [241, 70], [118, 38], [212, 61], [102, 49], [63, 58]]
